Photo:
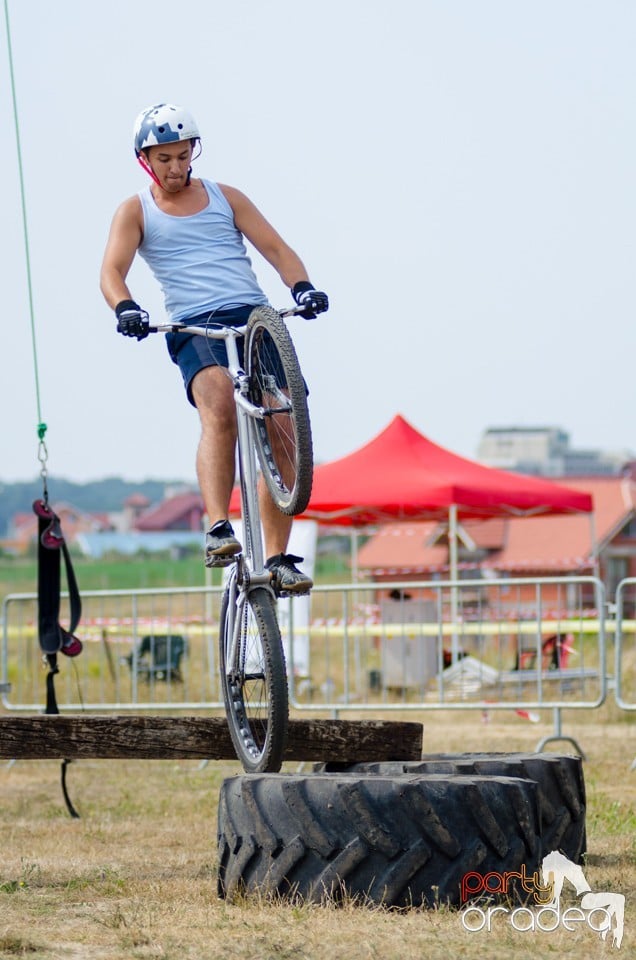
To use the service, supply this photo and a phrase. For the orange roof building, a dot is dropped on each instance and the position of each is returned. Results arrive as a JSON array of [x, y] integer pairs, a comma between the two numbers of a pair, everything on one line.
[[529, 546], [24, 526], [184, 511]]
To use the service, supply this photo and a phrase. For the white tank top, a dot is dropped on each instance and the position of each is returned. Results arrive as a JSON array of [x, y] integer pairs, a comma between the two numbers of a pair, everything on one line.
[[200, 261]]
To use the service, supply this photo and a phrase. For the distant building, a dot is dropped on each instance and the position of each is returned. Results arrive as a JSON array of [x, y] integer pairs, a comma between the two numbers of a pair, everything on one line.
[[545, 451], [134, 506], [177, 521], [184, 511], [23, 527], [180, 509]]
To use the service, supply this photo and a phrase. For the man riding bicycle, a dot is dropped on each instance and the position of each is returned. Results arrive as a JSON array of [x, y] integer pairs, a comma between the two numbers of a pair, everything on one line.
[[190, 233]]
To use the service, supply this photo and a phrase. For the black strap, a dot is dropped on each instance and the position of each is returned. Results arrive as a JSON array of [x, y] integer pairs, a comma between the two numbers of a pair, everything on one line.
[[48, 591], [51, 702], [69, 806], [52, 636], [51, 543], [73, 591]]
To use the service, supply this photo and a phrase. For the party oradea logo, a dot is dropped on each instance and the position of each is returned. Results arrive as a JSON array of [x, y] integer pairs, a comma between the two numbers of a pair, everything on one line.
[[601, 913]]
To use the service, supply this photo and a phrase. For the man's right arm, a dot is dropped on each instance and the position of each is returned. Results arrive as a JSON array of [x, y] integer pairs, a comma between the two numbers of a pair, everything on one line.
[[126, 234]]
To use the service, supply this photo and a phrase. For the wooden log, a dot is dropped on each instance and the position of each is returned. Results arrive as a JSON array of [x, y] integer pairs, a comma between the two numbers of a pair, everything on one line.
[[90, 736]]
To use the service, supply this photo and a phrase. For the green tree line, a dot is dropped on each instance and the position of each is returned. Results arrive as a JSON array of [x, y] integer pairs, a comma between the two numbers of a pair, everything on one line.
[[97, 496]]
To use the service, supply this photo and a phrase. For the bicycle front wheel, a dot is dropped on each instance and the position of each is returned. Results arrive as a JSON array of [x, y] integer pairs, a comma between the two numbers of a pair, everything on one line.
[[253, 678], [283, 435]]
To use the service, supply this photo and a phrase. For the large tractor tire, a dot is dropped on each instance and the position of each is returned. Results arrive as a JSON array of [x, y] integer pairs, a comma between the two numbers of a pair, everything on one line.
[[399, 841], [559, 778]]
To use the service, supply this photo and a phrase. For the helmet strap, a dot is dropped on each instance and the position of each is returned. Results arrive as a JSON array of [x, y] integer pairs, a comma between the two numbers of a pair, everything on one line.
[[141, 159]]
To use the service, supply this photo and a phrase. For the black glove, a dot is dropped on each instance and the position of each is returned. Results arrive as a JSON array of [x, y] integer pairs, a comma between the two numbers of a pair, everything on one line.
[[132, 321], [315, 301]]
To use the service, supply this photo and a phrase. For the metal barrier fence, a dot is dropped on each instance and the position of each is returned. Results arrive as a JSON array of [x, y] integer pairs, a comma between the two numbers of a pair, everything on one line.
[[625, 651], [511, 644], [508, 644], [143, 649]]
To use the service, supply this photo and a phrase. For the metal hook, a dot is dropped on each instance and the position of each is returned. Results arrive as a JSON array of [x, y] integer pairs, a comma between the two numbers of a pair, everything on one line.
[[43, 456]]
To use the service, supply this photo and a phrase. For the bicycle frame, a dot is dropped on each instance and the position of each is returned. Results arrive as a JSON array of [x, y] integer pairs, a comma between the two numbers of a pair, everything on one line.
[[253, 672], [246, 413]]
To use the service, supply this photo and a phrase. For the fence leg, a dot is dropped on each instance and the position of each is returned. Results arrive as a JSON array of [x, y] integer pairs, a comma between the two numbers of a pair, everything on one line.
[[558, 735]]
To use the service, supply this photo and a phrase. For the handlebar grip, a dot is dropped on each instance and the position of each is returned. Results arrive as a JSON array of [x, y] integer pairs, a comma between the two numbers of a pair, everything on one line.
[[167, 328]]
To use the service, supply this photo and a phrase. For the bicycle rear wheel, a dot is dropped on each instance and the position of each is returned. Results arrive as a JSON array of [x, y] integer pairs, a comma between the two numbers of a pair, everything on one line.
[[283, 436], [254, 678]]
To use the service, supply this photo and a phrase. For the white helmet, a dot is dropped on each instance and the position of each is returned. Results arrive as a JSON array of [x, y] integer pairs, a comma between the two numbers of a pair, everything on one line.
[[163, 123]]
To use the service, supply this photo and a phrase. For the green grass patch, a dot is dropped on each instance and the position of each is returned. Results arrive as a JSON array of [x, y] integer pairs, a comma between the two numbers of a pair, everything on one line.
[[19, 575], [144, 571]]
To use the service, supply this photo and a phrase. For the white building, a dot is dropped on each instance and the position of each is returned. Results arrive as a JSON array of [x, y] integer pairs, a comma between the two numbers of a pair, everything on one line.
[[545, 451]]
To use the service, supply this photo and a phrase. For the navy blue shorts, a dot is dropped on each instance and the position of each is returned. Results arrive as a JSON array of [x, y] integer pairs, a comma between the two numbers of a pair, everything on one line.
[[192, 353]]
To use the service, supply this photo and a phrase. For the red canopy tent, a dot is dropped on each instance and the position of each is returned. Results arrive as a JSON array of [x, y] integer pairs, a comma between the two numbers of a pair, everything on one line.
[[401, 474]]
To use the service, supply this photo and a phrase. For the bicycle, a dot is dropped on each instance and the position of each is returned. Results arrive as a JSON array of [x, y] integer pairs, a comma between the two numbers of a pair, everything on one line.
[[273, 429]]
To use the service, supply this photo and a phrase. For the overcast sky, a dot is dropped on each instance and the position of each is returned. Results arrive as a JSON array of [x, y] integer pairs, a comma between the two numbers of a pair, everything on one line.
[[458, 175]]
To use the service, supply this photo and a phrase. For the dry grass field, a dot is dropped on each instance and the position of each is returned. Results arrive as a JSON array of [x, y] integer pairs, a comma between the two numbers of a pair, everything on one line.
[[135, 877]]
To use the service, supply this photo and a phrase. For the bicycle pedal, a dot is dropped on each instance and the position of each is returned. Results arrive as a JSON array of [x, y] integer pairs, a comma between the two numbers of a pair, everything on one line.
[[289, 594], [220, 561]]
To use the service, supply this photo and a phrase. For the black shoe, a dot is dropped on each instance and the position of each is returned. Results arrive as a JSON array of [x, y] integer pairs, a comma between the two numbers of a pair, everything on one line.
[[221, 546], [286, 577]]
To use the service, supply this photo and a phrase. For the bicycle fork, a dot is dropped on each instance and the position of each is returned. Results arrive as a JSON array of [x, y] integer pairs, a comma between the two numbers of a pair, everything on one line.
[[237, 666]]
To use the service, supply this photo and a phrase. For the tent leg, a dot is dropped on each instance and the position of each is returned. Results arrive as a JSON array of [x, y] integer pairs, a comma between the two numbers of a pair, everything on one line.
[[453, 570]]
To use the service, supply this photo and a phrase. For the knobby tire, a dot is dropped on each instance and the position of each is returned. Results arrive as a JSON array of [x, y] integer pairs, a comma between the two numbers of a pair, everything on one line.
[[283, 436], [396, 841], [559, 779]]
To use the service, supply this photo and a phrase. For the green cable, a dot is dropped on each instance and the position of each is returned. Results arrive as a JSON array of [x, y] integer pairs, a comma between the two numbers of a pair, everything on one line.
[[41, 428]]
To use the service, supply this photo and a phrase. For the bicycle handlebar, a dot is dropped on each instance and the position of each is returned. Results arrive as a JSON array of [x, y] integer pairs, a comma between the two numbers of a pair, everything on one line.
[[185, 328]]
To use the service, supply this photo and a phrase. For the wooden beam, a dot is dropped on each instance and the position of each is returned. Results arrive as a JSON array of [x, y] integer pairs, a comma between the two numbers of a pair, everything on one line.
[[90, 736]]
